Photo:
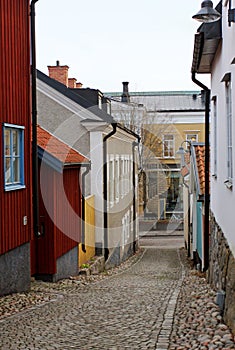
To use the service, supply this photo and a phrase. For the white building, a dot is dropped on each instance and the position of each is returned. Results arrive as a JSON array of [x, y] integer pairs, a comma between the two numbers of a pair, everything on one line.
[[214, 53]]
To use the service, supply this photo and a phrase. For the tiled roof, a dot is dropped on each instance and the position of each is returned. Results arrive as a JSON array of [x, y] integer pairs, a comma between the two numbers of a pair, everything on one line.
[[58, 149], [200, 161]]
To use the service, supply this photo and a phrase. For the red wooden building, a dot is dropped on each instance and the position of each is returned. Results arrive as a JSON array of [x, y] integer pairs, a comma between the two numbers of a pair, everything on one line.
[[15, 146], [55, 251]]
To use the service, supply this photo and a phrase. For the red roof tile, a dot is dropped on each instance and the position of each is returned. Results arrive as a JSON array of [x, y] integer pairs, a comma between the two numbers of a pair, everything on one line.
[[58, 149], [200, 160]]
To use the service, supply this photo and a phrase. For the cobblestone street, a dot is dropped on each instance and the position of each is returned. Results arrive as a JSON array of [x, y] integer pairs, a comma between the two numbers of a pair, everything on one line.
[[134, 309]]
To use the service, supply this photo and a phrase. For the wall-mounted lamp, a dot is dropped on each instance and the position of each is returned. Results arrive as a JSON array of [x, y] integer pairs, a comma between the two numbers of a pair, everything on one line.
[[231, 14], [207, 14], [181, 152]]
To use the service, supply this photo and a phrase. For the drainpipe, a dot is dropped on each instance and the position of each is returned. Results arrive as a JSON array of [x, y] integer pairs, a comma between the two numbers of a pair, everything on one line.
[[207, 170], [34, 122], [105, 189], [88, 168], [134, 144]]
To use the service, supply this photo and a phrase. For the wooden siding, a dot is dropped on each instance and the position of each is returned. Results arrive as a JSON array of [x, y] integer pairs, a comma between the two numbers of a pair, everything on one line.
[[89, 232], [55, 243], [15, 109]]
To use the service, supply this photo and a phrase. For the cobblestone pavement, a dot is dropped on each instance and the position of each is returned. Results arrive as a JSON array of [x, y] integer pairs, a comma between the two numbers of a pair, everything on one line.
[[158, 303]]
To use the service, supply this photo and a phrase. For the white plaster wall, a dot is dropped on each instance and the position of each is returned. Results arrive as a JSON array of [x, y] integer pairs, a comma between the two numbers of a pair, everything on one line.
[[223, 199]]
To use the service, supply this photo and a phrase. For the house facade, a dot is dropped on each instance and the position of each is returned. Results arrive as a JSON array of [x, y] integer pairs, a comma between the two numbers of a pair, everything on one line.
[[164, 120], [79, 117], [55, 251], [15, 147], [220, 37]]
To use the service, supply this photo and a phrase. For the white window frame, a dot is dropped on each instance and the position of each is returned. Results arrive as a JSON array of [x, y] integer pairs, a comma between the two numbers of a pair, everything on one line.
[[168, 146], [229, 151], [189, 137], [12, 157], [116, 180], [215, 120], [111, 181]]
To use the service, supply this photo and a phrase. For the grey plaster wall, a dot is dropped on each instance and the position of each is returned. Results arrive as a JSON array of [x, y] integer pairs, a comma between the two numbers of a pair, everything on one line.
[[221, 273], [65, 125], [67, 265], [15, 270]]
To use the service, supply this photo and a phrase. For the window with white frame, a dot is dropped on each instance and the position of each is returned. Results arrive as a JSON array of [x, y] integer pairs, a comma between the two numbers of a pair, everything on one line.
[[111, 181], [192, 137], [168, 146], [215, 134], [229, 130], [13, 157], [116, 179]]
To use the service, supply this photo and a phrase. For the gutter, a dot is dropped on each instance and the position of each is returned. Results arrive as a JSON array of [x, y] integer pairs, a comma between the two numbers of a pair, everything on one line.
[[88, 168], [34, 123], [207, 170], [105, 189], [134, 144]]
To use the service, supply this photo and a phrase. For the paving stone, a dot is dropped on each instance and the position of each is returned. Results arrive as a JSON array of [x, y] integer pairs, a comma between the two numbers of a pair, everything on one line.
[[153, 301]]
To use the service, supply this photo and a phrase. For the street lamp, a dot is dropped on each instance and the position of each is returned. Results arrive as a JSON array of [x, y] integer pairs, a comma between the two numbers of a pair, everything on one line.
[[207, 14], [181, 152]]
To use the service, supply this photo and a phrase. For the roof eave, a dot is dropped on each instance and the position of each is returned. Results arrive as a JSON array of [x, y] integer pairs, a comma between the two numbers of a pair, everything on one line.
[[206, 43]]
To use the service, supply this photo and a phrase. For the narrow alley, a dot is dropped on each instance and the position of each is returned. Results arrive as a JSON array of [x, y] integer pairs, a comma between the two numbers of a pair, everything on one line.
[[156, 302]]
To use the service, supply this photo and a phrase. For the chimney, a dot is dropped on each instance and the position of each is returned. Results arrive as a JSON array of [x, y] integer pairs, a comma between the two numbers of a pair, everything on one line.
[[79, 85], [59, 73], [125, 94], [72, 83]]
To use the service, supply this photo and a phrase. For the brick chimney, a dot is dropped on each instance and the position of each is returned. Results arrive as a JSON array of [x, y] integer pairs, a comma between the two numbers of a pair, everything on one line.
[[72, 83], [59, 73], [79, 85], [125, 94]]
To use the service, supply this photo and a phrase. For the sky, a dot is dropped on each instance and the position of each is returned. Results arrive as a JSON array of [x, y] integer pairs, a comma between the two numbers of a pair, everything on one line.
[[146, 42]]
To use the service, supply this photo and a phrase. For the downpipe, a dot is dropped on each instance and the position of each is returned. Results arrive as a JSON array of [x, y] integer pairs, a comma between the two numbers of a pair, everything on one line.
[[105, 189], [207, 170], [83, 235], [34, 123], [134, 145]]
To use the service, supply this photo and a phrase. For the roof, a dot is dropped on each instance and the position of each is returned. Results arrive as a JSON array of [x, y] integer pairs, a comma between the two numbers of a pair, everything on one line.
[[166, 101], [57, 149], [199, 159], [69, 93], [206, 42]]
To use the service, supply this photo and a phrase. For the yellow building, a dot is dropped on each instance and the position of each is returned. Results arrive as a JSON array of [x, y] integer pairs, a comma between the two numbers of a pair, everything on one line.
[[167, 120]]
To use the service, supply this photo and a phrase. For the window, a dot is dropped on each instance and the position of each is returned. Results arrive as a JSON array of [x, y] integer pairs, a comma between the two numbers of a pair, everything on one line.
[[192, 137], [168, 146], [229, 131], [111, 181], [13, 157], [215, 135]]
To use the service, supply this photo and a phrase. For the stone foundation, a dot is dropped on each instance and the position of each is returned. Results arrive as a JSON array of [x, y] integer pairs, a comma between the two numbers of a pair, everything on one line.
[[221, 273], [15, 270]]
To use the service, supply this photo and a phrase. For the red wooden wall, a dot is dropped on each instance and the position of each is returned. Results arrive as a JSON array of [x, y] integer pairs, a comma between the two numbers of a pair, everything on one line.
[[15, 108], [54, 243]]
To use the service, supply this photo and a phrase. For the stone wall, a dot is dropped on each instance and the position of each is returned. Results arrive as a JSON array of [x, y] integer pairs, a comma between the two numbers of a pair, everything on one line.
[[15, 270], [221, 273]]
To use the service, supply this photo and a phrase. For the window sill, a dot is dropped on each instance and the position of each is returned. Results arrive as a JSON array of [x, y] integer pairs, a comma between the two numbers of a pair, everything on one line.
[[228, 184], [14, 187]]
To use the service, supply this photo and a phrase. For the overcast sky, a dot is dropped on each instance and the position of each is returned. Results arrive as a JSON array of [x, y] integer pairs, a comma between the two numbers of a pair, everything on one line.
[[146, 42]]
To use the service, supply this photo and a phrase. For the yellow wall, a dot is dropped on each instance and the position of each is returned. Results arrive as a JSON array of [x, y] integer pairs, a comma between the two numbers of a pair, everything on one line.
[[89, 232], [155, 132]]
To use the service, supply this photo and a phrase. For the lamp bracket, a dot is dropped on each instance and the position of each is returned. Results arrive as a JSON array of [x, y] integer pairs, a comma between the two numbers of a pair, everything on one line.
[[231, 15]]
